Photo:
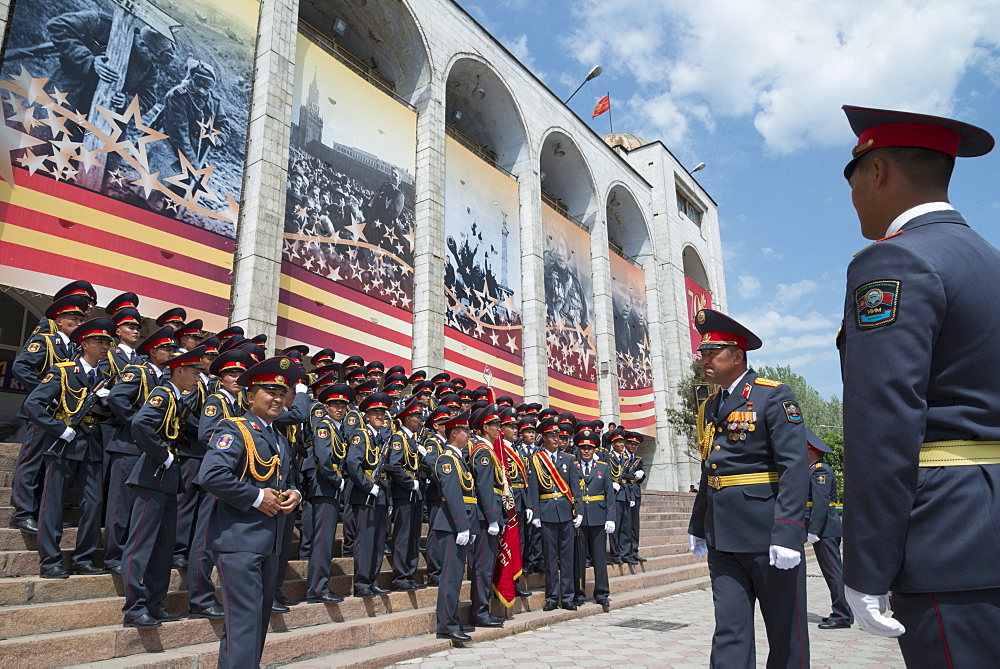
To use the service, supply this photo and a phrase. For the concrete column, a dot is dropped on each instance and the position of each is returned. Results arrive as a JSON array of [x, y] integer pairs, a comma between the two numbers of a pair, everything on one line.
[[536, 365], [663, 475], [604, 319], [257, 262], [4, 18], [429, 248]]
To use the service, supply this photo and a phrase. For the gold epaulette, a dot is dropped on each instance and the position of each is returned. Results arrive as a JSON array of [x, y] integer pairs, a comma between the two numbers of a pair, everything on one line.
[[68, 363], [767, 382], [237, 418]]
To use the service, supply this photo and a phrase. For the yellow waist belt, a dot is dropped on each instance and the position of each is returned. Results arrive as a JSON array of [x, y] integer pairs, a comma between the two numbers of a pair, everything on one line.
[[831, 504], [959, 453], [467, 500], [554, 495], [719, 482], [593, 498], [517, 485]]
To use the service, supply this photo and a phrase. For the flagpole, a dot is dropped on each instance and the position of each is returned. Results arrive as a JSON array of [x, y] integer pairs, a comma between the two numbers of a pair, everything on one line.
[[610, 122]]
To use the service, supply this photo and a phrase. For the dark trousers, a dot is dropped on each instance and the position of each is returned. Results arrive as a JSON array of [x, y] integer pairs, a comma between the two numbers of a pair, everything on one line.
[[58, 473], [369, 543], [557, 549], [949, 629], [350, 521], [593, 539], [827, 552], [405, 540], [247, 585], [188, 502], [201, 557], [620, 537], [452, 563], [482, 561], [29, 474], [119, 506], [433, 562], [325, 513], [738, 579], [148, 554], [306, 525], [288, 533], [633, 535]]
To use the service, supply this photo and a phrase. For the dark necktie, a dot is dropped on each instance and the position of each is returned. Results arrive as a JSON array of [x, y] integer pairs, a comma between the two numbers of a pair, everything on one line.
[[723, 396], [586, 469], [92, 377]]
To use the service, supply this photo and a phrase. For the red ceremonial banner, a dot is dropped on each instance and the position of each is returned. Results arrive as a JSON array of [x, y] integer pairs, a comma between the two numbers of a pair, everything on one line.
[[603, 105], [508, 566], [698, 298]]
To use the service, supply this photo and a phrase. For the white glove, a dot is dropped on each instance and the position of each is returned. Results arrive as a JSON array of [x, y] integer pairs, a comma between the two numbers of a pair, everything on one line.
[[416, 485], [528, 515], [869, 613], [462, 538], [421, 450], [69, 434], [493, 529], [812, 538], [301, 388], [631, 503], [343, 483], [640, 475], [617, 486], [578, 521], [537, 522], [697, 546], [374, 490], [784, 558], [169, 461], [472, 539], [609, 527], [102, 392]]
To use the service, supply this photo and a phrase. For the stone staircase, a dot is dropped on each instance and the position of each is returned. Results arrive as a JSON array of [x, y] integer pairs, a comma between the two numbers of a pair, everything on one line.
[[77, 621]]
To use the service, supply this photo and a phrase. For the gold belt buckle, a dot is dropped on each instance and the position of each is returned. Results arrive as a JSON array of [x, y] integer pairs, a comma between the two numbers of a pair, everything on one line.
[[715, 482], [556, 495]]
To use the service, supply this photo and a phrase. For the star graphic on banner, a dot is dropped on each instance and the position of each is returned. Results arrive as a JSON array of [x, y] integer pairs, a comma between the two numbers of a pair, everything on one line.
[[308, 264], [194, 182], [478, 330], [357, 230], [335, 274], [31, 162], [232, 211], [120, 124], [56, 123], [406, 301], [495, 338], [64, 150], [148, 182], [511, 344], [58, 97], [11, 140], [508, 303], [31, 88], [171, 205], [87, 158], [208, 131], [117, 177], [409, 236], [66, 173], [25, 116], [301, 213]]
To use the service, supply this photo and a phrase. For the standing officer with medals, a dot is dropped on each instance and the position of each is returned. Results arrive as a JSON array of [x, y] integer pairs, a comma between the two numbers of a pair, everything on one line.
[[921, 425], [488, 475], [617, 461], [633, 474], [551, 490], [531, 536], [597, 508], [516, 470], [749, 513], [432, 446], [247, 470], [407, 501]]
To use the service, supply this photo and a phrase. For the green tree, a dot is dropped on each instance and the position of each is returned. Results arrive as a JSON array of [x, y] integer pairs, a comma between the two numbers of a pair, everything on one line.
[[685, 419]]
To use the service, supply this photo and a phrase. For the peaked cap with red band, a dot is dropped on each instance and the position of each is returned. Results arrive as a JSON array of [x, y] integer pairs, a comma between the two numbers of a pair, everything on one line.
[[127, 316], [95, 328], [211, 345], [84, 288], [718, 330], [192, 329], [438, 415], [323, 358], [66, 305], [816, 443], [230, 332], [191, 358], [587, 439], [123, 301], [338, 392], [162, 337], [231, 361], [549, 425], [487, 414], [375, 401], [175, 315], [279, 372], [412, 407], [325, 381], [459, 421]]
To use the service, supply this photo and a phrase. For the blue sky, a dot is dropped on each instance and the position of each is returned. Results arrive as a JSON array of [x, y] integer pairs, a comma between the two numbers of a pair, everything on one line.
[[753, 88]]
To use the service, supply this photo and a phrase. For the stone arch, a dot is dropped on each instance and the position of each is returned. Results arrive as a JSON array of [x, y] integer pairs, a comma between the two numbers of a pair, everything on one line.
[[567, 177], [694, 268], [628, 230]]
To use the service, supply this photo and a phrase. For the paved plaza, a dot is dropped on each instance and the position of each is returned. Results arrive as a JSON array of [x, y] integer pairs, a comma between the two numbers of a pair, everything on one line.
[[602, 640]]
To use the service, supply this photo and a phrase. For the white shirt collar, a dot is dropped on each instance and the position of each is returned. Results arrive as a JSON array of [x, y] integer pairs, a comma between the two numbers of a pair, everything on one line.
[[177, 393], [406, 431], [731, 388], [913, 212], [86, 366], [266, 424], [64, 337], [225, 393], [129, 351]]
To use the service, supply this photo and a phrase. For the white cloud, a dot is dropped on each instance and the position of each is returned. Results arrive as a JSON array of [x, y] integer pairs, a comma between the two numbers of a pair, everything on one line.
[[787, 65], [770, 254], [519, 47], [790, 293], [768, 324], [749, 287]]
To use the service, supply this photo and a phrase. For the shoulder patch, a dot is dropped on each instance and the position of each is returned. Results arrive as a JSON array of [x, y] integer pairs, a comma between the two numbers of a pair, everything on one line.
[[484, 461], [821, 479], [877, 303], [356, 439], [211, 410], [318, 413], [48, 377], [34, 347], [446, 467], [156, 400], [767, 382], [128, 376], [352, 420], [792, 411], [396, 446], [224, 442], [323, 433]]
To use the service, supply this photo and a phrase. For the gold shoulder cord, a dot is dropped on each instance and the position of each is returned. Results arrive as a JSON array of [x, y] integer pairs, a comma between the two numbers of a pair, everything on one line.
[[50, 354], [338, 447], [115, 369], [410, 459], [544, 478], [170, 426], [616, 470], [254, 460], [371, 453], [66, 394], [705, 434]]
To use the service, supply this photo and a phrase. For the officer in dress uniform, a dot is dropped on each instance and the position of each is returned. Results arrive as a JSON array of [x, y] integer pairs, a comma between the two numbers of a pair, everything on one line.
[[433, 443], [247, 469], [174, 317], [189, 335], [148, 551], [488, 474], [228, 401], [47, 346], [749, 513], [329, 449], [617, 461], [227, 334], [366, 459], [516, 470], [452, 529], [552, 489], [403, 467], [597, 508], [72, 447], [634, 474], [922, 467], [127, 396], [824, 531], [531, 536]]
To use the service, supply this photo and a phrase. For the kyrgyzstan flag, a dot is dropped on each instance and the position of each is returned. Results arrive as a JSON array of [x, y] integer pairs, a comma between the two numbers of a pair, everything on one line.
[[603, 105]]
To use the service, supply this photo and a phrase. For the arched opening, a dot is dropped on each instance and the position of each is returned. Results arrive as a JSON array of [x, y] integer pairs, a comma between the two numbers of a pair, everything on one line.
[[627, 233], [694, 269], [567, 184]]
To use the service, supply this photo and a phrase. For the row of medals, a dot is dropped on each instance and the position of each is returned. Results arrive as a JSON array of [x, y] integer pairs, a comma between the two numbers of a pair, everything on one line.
[[738, 428]]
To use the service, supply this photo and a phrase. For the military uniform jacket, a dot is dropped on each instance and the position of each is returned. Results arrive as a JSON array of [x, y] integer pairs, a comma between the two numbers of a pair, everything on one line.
[[617, 463], [155, 428], [516, 470], [329, 448], [920, 324], [433, 445], [403, 465], [489, 490], [118, 360], [547, 502], [596, 501], [38, 355], [750, 518], [363, 456], [459, 508], [218, 407], [822, 518], [235, 524], [126, 397], [38, 407], [633, 465]]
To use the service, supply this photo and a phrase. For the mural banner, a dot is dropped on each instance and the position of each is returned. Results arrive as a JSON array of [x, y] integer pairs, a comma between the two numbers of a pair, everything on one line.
[[698, 298], [635, 372], [347, 259]]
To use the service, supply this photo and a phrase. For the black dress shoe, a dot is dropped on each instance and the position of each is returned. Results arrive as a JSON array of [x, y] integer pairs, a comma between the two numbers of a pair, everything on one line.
[[466, 627], [631, 560], [180, 563], [834, 625], [407, 586], [380, 591], [143, 622], [639, 558], [825, 620], [387, 551], [616, 560], [55, 572], [278, 607], [328, 598], [433, 583], [364, 593], [86, 570], [164, 616], [570, 607], [347, 553], [29, 525], [420, 586], [488, 622], [213, 612], [281, 599], [550, 606], [520, 592], [457, 637], [580, 601], [604, 602], [115, 571]]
